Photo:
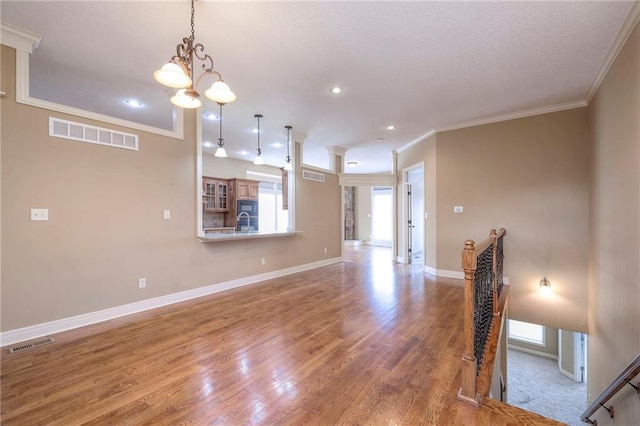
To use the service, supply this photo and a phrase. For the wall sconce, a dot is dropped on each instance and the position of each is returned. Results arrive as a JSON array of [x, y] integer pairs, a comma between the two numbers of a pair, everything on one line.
[[545, 285]]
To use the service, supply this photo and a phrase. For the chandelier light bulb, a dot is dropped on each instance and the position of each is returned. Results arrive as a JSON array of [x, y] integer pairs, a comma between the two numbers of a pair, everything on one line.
[[172, 75]]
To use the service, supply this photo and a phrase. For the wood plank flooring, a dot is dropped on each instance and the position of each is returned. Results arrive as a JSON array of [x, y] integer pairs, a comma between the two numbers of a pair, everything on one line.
[[365, 341]]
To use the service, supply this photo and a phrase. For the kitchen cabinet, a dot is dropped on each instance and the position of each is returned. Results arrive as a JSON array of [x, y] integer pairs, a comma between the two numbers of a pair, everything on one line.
[[215, 194], [244, 189], [241, 190]]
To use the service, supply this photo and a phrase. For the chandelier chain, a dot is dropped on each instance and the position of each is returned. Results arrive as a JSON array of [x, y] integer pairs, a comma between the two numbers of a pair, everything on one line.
[[193, 12]]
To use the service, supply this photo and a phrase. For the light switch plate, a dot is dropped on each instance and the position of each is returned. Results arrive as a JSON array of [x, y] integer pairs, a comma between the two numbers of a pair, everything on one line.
[[39, 214], [458, 209], [167, 214]]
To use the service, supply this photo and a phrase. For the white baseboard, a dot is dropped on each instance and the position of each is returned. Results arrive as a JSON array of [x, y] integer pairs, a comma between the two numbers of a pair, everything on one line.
[[450, 274], [532, 352], [27, 333], [431, 271], [400, 259]]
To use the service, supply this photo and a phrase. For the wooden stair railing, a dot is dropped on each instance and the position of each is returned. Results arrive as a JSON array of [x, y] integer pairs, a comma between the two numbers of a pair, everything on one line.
[[484, 301]]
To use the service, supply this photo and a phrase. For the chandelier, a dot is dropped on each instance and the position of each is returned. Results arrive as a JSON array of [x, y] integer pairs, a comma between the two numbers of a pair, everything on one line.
[[178, 73]]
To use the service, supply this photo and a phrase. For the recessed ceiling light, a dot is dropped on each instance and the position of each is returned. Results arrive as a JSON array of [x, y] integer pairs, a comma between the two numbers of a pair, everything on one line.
[[254, 130], [208, 144], [277, 145], [134, 103], [244, 152], [391, 127], [336, 90], [211, 116], [380, 140], [352, 164]]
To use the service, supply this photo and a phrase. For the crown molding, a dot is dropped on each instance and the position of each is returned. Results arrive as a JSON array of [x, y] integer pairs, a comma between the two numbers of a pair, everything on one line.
[[18, 38], [416, 141], [354, 179], [515, 115], [623, 35]]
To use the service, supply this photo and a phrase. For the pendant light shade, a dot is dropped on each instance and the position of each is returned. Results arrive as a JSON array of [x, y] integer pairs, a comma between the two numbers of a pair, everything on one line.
[[220, 151], [219, 92], [186, 98], [258, 161], [172, 75], [287, 161]]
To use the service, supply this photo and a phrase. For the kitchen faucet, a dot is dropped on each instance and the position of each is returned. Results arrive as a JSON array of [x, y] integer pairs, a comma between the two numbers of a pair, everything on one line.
[[248, 219]]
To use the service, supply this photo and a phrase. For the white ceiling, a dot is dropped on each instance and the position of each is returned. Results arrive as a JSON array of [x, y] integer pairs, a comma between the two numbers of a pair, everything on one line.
[[416, 65]]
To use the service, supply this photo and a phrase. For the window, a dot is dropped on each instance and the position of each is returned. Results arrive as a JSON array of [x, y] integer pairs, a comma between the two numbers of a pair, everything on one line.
[[526, 332], [271, 217], [381, 216]]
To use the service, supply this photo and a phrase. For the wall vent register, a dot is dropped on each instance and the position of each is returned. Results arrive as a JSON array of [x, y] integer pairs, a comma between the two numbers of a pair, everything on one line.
[[315, 176], [98, 135]]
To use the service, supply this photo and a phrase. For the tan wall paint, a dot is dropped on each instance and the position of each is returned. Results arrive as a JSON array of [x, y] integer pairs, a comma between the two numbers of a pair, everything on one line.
[[530, 176], [614, 284], [228, 168], [425, 151], [105, 227], [363, 213]]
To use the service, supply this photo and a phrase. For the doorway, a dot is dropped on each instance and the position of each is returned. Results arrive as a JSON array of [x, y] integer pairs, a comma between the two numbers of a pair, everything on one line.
[[414, 212], [381, 216]]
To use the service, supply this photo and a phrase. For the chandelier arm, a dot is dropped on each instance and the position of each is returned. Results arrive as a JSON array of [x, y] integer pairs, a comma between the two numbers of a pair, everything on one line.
[[207, 72]]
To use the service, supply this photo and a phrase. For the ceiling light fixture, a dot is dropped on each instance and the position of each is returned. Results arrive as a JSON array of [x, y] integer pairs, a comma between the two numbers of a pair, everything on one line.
[[391, 127], [352, 164], [211, 116], [179, 74], [258, 161], [134, 103], [336, 90], [220, 151], [287, 161]]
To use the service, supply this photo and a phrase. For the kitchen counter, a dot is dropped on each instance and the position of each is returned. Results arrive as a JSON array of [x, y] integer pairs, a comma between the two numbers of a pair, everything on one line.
[[235, 236]]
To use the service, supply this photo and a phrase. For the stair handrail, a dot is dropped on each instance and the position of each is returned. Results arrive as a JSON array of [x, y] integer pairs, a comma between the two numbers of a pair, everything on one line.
[[623, 379], [482, 287]]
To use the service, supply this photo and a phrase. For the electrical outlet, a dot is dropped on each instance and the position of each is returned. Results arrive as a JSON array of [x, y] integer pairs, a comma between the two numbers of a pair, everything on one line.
[[167, 214], [142, 283], [458, 209], [39, 214], [325, 250], [263, 261]]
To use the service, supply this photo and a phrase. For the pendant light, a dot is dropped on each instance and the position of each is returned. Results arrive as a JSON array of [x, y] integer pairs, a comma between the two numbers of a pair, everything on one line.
[[178, 73], [220, 152], [258, 161], [287, 165]]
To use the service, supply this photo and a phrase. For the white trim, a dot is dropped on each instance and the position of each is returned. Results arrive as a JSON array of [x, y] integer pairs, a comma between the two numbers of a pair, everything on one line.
[[399, 259], [515, 115], [623, 35], [361, 179], [263, 177], [532, 352], [23, 52], [18, 38], [459, 275], [417, 141], [317, 169], [57, 326], [430, 270]]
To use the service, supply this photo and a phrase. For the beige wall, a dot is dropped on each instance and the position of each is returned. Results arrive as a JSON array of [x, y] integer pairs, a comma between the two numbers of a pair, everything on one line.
[[530, 176], [614, 283], [105, 227], [228, 168], [422, 153]]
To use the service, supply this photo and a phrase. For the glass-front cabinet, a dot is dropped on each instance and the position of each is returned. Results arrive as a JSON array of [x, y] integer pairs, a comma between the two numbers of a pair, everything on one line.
[[215, 194]]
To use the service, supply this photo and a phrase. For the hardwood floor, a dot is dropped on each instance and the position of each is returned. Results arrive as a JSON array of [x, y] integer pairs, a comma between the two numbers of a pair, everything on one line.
[[366, 341]]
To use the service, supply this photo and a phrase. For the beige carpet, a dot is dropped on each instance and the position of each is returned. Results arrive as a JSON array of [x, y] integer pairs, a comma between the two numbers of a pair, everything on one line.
[[535, 384]]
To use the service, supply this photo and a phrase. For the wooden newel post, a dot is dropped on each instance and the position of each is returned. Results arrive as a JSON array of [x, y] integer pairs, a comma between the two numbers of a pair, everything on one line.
[[494, 270], [468, 392]]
